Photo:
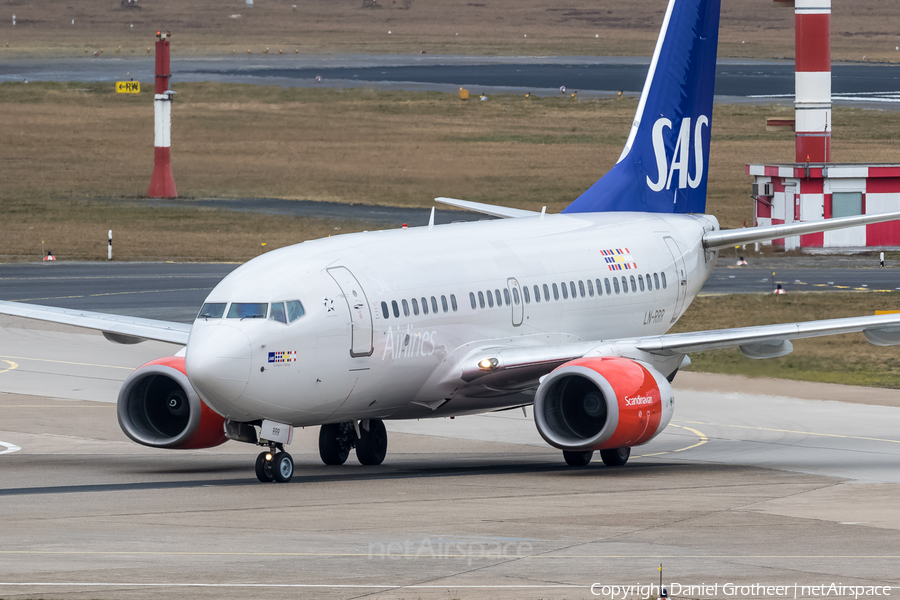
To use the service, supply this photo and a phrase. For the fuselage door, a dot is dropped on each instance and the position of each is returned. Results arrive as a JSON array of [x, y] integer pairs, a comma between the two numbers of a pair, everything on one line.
[[518, 303], [360, 314], [680, 276]]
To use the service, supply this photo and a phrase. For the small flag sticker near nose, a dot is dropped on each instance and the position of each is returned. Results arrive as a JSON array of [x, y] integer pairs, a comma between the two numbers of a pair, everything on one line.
[[283, 357]]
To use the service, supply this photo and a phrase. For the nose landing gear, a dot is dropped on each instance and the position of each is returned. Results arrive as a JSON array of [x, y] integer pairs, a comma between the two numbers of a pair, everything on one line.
[[274, 465]]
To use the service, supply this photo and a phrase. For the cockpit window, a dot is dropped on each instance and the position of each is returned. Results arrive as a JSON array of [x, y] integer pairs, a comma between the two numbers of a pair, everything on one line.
[[277, 313], [247, 310], [294, 310], [212, 311]]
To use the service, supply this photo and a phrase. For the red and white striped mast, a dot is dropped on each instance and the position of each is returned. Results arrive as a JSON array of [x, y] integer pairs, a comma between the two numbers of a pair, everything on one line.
[[812, 102], [162, 184]]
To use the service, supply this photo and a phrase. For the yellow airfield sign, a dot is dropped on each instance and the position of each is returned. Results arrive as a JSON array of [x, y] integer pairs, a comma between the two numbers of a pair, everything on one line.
[[128, 87]]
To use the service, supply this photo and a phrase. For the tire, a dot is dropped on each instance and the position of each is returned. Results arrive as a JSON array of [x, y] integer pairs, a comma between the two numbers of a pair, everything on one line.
[[617, 457], [578, 459], [265, 471], [283, 467], [332, 447], [372, 445]]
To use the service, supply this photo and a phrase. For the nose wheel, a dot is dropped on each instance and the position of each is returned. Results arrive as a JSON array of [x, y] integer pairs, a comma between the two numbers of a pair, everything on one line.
[[274, 466]]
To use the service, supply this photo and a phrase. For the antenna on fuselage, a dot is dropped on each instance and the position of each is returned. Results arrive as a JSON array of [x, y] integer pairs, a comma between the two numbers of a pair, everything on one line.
[[431, 219]]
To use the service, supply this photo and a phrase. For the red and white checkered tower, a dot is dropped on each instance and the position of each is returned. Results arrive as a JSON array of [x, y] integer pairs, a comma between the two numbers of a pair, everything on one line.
[[162, 184], [813, 80]]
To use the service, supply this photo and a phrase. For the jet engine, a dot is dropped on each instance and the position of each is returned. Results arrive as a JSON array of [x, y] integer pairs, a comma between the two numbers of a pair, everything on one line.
[[602, 403], [157, 407]]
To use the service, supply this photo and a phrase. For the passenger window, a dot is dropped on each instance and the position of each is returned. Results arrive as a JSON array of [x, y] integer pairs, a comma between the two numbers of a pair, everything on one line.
[[624, 285], [434, 305], [663, 277], [276, 313], [481, 299], [424, 306], [633, 285], [396, 308], [490, 299], [212, 311], [572, 287], [599, 288], [649, 283], [453, 304], [537, 293], [606, 283], [546, 293], [656, 280], [248, 310], [506, 295], [497, 294], [384, 310], [581, 288], [472, 299], [516, 295], [415, 304], [294, 310], [526, 294], [615, 284], [641, 282], [555, 292], [444, 302], [565, 290], [405, 308]]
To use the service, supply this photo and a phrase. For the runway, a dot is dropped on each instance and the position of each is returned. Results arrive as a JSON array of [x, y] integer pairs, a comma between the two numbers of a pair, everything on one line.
[[745, 487], [762, 81]]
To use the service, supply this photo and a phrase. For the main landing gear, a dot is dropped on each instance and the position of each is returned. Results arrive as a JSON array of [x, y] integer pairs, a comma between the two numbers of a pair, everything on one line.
[[616, 457], [274, 465], [369, 437]]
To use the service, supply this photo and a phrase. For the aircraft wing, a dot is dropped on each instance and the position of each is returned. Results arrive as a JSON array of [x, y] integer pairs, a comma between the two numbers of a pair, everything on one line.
[[764, 341], [116, 328]]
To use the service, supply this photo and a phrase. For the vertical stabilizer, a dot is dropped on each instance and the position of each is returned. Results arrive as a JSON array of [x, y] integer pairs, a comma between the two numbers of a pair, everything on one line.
[[664, 165]]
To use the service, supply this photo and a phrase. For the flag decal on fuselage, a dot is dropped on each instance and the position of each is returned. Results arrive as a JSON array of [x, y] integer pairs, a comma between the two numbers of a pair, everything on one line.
[[283, 357], [619, 259]]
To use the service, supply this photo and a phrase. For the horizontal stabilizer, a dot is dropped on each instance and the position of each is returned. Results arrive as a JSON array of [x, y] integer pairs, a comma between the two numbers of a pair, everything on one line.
[[717, 240], [488, 209]]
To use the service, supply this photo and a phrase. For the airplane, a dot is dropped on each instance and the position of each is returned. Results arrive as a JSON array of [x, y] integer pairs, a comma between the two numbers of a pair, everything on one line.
[[566, 312]]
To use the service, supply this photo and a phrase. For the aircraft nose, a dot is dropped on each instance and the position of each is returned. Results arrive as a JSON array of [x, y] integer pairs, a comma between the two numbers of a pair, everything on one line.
[[217, 362]]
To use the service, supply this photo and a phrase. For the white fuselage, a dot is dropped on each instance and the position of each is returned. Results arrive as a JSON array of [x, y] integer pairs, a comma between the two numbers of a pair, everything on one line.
[[355, 356]]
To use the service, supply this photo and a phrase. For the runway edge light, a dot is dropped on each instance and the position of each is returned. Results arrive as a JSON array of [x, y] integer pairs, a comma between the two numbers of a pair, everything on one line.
[[162, 183]]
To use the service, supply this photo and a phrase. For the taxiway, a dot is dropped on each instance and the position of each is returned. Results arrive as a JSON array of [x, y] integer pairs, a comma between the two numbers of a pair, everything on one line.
[[755, 482]]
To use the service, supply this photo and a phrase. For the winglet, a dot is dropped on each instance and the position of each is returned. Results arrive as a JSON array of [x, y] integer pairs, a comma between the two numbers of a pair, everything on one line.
[[488, 209], [431, 219]]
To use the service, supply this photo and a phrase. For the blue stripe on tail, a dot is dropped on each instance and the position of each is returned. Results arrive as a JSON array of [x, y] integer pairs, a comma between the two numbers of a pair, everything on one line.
[[664, 166]]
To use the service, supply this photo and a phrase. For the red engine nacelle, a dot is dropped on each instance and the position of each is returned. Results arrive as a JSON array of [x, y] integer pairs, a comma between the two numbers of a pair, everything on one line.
[[157, 407], [602, 403]]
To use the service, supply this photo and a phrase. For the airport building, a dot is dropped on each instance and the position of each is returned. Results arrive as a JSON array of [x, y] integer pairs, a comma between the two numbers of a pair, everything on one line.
[[813, 188], [799, 193]]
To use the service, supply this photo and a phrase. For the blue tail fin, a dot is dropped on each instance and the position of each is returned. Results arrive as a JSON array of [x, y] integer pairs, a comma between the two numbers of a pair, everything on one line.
[[663, 168]]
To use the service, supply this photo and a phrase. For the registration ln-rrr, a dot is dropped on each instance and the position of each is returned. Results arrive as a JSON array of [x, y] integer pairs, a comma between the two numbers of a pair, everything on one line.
[[568, 312]]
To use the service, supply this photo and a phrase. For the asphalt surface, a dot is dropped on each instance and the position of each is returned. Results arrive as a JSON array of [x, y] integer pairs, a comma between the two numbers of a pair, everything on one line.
[[175, 291], [742, 488], [735, 78]]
